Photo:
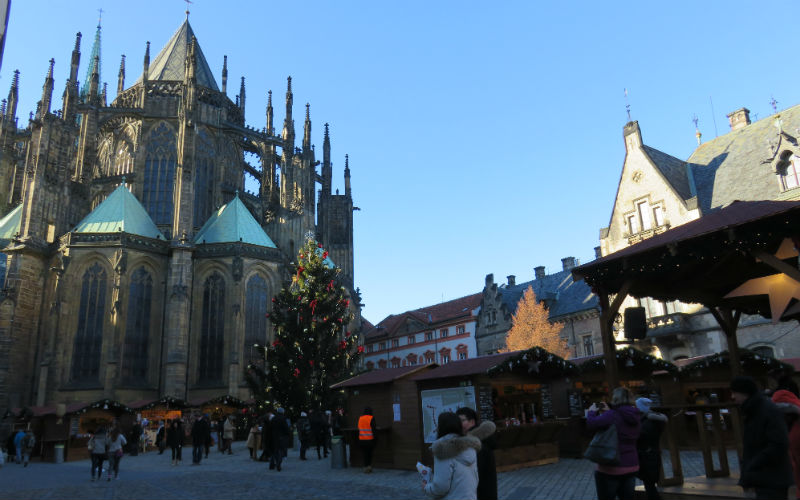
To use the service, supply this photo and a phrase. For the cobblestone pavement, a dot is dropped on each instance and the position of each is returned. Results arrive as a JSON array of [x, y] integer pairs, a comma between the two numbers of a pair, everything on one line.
[[150, 476]]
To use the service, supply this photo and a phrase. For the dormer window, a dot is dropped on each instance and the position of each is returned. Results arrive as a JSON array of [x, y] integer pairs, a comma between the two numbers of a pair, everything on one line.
[[788, 171]]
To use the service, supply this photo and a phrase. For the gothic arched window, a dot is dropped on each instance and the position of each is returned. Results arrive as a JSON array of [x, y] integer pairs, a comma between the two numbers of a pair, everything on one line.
[[123, 160], [89, 335], [204, 178], [255, 325], [212, 330], [160, 164], [137, 328]]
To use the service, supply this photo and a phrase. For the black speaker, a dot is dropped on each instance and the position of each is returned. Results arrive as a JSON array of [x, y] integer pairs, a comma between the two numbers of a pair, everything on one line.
[[635, 323]]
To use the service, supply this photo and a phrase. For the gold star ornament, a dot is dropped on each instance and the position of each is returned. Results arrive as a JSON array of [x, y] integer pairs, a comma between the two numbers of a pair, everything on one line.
[[780, 288]]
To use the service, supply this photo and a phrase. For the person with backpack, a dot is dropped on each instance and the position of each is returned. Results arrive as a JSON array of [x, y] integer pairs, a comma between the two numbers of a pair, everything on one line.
[[98, 447], [27, 443]]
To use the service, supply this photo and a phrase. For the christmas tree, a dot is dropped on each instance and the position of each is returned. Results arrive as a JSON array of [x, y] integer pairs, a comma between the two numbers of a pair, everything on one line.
[[312, 348], [531, 328]]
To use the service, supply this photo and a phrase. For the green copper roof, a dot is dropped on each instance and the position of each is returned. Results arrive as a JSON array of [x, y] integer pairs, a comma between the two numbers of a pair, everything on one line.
[[231, 223], [120, 212], [9, 225], [169, 64]]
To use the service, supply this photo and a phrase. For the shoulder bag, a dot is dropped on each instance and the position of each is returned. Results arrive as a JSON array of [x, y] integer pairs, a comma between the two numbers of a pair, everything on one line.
[[604, 448]]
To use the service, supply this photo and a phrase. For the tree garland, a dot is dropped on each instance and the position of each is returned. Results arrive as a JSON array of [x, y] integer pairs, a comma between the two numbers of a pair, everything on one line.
[[629, 359], [535, 361], [748, 360]]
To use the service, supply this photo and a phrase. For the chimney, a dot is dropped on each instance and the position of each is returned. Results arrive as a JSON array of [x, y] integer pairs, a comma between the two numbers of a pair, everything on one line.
[[568, 263], [739, 118], [512, 280], [489, 280], [632, 135], [538, 271], [597, 252]]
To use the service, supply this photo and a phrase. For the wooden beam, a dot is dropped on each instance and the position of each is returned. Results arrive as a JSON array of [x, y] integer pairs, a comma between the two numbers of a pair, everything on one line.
[[607, 314], [777, 264], [729, 322]]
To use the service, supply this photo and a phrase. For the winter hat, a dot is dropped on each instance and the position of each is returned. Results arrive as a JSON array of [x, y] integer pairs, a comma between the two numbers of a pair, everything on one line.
[[281, 411], [784, 396], [644, 404], [744, 385], [327, 412], [303, 414]]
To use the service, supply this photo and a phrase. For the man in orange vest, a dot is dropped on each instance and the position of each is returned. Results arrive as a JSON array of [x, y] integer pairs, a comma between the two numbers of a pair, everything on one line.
[[366, 437]]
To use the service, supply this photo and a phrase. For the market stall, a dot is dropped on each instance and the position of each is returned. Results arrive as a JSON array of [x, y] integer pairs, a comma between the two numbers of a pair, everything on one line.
[[84, 419], [220, 407], [152, 413], [524, 392], [395, 402]]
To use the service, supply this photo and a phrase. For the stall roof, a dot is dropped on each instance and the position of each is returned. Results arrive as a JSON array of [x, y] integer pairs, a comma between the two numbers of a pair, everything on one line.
[[380, 376], [471, 366]]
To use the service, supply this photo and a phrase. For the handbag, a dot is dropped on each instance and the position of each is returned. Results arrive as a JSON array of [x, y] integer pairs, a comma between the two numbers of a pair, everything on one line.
[[118, 453], [604, 447]]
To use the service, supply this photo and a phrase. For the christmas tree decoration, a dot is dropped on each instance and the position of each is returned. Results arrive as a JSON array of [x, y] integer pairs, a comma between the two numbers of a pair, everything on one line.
[[310, 316], [751, 363], [535, 361], [630, 359]]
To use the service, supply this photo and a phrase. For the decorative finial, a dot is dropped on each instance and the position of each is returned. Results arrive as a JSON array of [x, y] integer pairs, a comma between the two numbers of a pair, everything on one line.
[[187, 8], [326, 130], [123, 179], [774, 104], [697, 130], [100, 17], [269, 98], [627, 105], [289, 85], [308, 111]]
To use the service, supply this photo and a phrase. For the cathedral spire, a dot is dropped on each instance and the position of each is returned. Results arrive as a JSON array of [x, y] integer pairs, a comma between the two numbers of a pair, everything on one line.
[[224, 74], [241, 97], [13, 97], [94, 66], [288, 122], [347, 191], [307, 129], [76, 59], [327, 169], [121, 76], [47, 92], [146, 63], [70, 96], [104, 94], [270, 130], [94, 81]]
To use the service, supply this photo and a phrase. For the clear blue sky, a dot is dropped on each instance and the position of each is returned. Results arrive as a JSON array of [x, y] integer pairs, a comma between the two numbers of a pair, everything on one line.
[[483, 137]]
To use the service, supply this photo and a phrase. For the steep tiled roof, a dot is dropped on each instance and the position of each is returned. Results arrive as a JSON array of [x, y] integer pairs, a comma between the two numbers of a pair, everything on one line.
[[231, 223], [380, 376], [450, 310], [9, 225], [673, 169], [169, 64], [563, 295], [120, 212], [735, 166]]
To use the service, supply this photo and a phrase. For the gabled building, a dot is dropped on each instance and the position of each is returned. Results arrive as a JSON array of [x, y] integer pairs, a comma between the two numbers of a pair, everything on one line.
[[434, 334], [753, 161], [137, 266], [570, 304]]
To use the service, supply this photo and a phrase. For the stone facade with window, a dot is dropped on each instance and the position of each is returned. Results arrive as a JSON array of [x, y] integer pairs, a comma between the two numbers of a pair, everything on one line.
[[135, 264], [753, 161], [570, 304], [433, 334]]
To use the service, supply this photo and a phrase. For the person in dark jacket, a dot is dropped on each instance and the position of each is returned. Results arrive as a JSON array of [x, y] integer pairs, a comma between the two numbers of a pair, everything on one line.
[[280, 438], [201, 431], [266, 437], [304, 433], [619, 480], [175, 440], [319, 429], [765, 456], [487, 470], [160, 437], [649, 447]]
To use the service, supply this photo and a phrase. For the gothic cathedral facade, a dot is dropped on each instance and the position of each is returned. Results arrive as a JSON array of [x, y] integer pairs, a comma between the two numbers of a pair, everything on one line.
[[136, 264]]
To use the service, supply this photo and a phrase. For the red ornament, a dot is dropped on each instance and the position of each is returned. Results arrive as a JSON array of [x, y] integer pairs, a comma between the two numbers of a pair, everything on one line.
[[319, 245], [266, 315], [276, 343], [347, 334], [342, 345], [313, 305], [360, 349], [324, 255], [296, 372], [311, 362], [273, 300]]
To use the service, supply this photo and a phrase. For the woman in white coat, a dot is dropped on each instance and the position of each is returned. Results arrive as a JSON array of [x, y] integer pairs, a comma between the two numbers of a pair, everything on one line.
[[455, 467]]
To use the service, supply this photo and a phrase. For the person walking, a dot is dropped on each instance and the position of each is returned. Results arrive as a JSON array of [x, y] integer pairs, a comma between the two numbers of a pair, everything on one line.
[[266, 437], [18, 445], [487, 470], [209, 441], [227, 434], [617, 481], [304, 433], [116, 441], [648, 447], [765, 466], [318, 433], [789, 404], [455, 461], [175, 440], [280, 438], [366, 437], [161, 437], [254, 441], [27, 443], [200, 435], [98, 447]]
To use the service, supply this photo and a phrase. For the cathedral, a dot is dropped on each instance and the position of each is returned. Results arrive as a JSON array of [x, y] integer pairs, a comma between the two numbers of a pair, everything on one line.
[[135, 264]]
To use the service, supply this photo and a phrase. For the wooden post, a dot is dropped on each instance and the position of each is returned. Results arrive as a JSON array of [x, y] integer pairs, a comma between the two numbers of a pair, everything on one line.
[[608, 311], [729, 322]]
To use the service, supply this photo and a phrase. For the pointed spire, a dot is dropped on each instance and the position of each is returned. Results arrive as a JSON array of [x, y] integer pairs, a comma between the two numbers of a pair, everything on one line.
[[190, 68], [307, 129], [47, 91], [94, 65], [94, 81], [270, 113], [327, 169], [121, 76], [241, 97], [104, 94], [288, 122], [146, 62], [76, 59], [347, 191], [224, 74], [13, 96]]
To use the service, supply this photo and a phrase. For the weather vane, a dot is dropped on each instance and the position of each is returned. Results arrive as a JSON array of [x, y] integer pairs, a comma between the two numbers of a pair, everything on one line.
[[100, 17], [695, 120], [187, 7], [773, 103], [627, 104]]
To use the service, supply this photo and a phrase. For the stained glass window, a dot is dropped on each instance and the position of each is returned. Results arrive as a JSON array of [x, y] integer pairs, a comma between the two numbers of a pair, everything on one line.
[[123, 161], [89, 335], [159, 174], [204, 178], [255, 316], [212, 330], [137, 328]]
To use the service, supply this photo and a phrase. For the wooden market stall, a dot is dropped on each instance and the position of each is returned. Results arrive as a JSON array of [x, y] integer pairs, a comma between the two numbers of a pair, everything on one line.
[[154, 412], [395, 403], [525, 393], [84, 419], [220, 407]]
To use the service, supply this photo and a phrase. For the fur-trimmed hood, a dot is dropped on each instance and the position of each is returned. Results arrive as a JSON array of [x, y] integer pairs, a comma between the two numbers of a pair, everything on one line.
[[453, 445], [483, 431]]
